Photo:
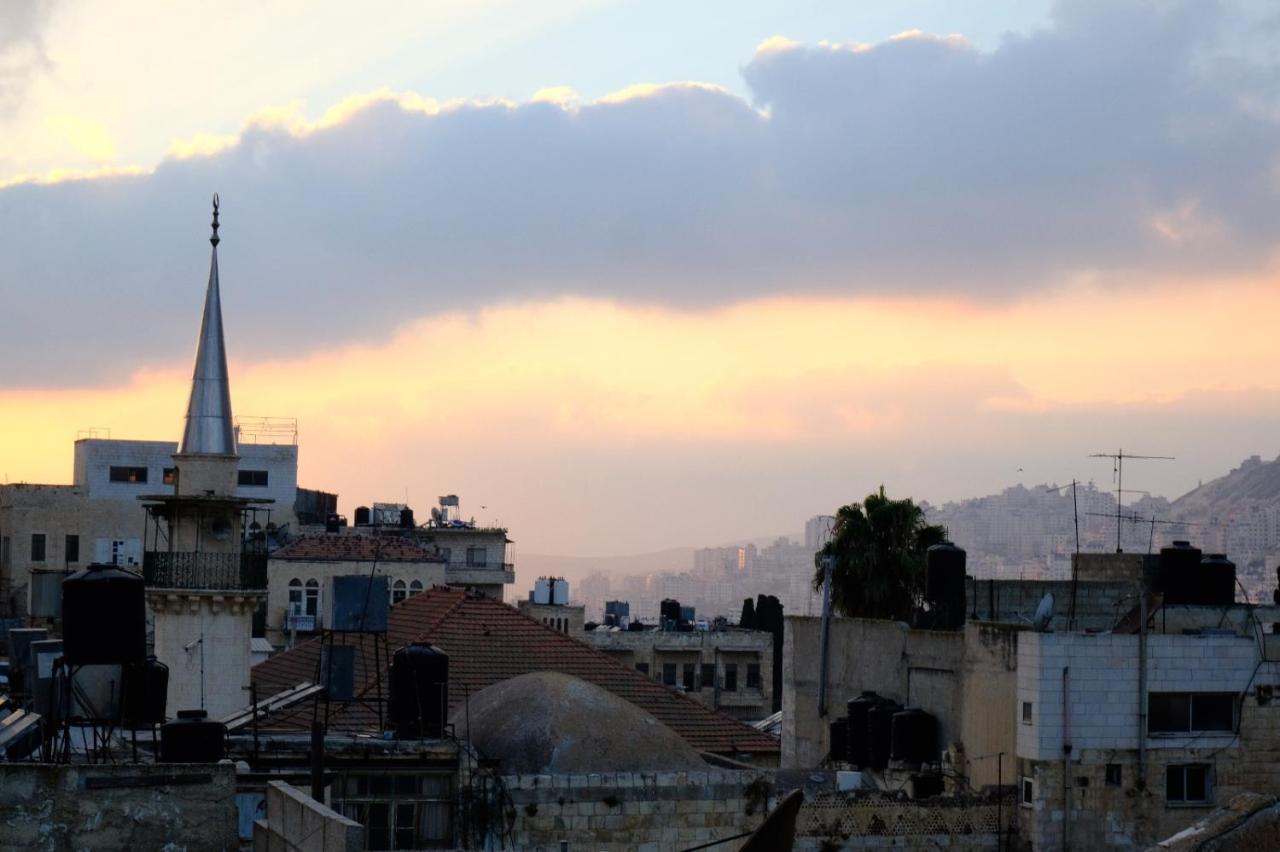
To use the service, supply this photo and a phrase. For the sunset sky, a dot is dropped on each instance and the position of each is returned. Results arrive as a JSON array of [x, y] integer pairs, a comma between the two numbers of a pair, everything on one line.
[[636, 275]]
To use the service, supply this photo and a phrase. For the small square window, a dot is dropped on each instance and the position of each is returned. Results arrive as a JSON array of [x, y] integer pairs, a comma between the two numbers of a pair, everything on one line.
[[122, 473], [1114, 775], [1189, 784], [1026, 712], [170, 476]]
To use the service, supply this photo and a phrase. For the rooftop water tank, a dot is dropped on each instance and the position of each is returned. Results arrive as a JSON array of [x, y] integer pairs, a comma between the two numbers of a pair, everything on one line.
[[880, 732], [1217, 581], [104, 617], [1178, 573], [859, 753], [192, 738], [146, 693], [419, 702], [944, 584], [913, 737], [362, 516]]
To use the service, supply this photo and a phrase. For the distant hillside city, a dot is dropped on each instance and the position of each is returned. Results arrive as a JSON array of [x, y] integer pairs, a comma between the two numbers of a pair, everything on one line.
[[1021, 533]]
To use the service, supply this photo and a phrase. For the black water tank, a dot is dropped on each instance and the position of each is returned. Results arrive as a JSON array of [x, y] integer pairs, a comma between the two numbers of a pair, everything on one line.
[[858, 748], [670, 610], [104, 617], [192, 738], [362, 516], [146, 693], [419, 691], [1217, 581], [406, 518], [880, 732], [914, 737], [839, 750], [332, 522], [1178, 573], [944, 584]]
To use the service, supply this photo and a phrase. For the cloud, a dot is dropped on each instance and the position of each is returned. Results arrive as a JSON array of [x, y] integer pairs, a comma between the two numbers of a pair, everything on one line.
[[22, 51], [1124, 143]]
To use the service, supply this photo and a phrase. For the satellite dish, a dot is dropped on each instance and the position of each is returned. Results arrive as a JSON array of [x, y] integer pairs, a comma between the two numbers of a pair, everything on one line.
[[1044, 613]]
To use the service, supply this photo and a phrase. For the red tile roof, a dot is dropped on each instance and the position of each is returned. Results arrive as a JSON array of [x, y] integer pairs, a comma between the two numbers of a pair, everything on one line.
[[488, 641], [354, 547]]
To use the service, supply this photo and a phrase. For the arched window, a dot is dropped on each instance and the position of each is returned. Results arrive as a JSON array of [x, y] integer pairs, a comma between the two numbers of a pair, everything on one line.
[[313, 596], [399, 591], [295, 595], [415, 587]]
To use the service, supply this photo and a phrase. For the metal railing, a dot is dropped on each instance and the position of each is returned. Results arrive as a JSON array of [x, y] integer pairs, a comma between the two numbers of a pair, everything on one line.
[[205, 571]]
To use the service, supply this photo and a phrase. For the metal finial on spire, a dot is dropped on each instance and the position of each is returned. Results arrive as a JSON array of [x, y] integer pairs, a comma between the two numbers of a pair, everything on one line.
[[214, 239]]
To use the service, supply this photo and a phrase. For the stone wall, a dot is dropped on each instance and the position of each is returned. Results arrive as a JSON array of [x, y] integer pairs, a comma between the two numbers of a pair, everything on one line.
[[639, 811], [830, 822], [44, 808], [295, 822]]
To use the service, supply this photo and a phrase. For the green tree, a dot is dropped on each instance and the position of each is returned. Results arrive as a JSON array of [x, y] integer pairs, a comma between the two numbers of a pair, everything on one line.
[[748, 618], [879, 550]]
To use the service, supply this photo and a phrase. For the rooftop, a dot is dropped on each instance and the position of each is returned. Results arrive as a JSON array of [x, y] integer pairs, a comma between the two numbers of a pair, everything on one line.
[[355, 548], [487, 642]]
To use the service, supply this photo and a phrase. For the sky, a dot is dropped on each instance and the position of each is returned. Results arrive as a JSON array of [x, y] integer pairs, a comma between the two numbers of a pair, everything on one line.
[[628, 276]]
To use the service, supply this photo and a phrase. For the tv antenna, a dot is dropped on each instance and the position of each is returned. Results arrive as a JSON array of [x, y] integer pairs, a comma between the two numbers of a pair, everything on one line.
[[1117, 461], [1135, 519], [1075, 516]]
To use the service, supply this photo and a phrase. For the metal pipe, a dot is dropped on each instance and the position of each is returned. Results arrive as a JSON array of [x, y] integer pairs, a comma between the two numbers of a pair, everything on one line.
[[1066, 757], [317, 762], [826, 634], [1142, 689]]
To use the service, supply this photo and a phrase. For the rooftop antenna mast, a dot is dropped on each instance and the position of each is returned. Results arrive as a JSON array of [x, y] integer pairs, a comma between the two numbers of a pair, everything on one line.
[[1117, 460], [1075, 516]]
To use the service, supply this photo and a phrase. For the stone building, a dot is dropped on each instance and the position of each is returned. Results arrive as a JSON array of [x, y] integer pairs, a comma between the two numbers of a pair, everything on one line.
[[730, 669], [61, 528], [1110, 734], [299, 574]]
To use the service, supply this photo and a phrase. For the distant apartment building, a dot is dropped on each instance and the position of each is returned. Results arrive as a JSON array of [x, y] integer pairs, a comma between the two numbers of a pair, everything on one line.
[[97, 518], [730, 670], [818, 531]]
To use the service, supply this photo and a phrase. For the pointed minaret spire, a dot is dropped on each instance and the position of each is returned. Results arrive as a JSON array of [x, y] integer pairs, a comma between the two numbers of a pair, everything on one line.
[[209, 429]]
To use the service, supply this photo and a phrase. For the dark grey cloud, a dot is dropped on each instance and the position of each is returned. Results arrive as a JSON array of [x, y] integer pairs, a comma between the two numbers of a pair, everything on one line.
[[917, 165]]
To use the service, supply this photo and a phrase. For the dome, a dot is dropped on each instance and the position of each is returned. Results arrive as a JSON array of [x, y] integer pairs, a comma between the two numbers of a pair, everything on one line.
[[553, 722]]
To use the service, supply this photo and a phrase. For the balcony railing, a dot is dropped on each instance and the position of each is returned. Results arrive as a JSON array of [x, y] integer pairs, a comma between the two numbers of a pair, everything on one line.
[[205, 571]]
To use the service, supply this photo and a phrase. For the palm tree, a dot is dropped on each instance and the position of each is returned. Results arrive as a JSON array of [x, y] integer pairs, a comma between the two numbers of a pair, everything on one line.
[[878, 547]]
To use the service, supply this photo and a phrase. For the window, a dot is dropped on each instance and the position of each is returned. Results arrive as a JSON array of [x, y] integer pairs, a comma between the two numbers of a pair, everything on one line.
[[37, 547], [295, 595], [254, 478], [730, 677], [170, 476], [1113, 775], [313, 596], [1026, 712], [1027, 794], [399, 811], [753, 675], [687, 677], [708, 677], [1188, 784], [1191, 712], [476, 557], [399, 591], [71, 548], [415, 588], [120, 473], [643, 668], [669, 674]]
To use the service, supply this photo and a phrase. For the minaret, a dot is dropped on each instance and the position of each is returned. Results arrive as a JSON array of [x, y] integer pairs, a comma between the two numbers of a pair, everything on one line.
[[204, 581]]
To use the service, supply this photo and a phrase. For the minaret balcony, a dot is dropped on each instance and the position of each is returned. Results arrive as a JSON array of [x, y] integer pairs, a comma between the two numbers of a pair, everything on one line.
[[205, 571]]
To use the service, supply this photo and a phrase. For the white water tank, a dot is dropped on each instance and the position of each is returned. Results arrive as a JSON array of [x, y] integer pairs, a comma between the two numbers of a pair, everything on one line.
[[542, 590], [560, 591]]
